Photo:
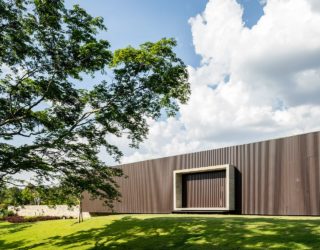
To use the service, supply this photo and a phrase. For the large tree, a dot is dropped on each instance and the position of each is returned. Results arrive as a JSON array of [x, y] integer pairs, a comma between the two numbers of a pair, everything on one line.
[[45, 51]]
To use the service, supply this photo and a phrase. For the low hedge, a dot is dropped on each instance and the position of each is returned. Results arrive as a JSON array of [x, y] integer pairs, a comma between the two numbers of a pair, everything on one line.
[[21, 219]]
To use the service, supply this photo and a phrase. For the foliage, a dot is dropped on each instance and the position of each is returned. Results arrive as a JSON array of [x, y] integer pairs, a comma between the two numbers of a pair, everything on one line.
[[45, 51], [4, 212], [12, 196], [36, 195], [166, 232]]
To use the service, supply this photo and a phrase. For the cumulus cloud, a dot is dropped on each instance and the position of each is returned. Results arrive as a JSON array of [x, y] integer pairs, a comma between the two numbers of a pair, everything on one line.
[[252, 84]]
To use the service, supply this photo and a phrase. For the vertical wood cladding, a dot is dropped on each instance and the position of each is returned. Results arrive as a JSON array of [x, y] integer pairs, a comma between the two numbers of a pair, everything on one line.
[[207, 189], [275, 177]]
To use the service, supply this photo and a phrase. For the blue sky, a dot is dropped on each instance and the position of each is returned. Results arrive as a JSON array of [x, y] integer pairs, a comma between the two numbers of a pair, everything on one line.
[[254, 66], [240, 56], [136, 21], [266, 74]]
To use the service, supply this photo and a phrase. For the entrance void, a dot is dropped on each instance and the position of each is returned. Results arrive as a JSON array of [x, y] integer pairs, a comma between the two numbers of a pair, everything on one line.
[[206, 188]]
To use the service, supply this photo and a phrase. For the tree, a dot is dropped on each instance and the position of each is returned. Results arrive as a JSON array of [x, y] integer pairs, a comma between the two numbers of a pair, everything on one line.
[[13, 196], [30, 195], [55, 195], [45, 51], [37, 195]]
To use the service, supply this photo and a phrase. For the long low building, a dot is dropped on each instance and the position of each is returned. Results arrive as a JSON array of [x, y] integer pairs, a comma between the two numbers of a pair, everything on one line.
[[274, 177]]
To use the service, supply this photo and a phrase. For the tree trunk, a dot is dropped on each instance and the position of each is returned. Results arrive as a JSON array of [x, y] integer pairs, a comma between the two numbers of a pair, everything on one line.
[[80, 219], [80, 212]]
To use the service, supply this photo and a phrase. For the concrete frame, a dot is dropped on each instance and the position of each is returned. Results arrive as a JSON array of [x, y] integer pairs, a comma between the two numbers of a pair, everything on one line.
[[230, 188]]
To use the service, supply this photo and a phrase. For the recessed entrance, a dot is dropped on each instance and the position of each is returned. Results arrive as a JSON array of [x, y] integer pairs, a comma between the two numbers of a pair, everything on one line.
[[208, 188]]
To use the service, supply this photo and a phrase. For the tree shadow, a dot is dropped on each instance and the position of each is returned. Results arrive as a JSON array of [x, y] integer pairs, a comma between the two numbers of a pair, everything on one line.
[[198, 233], [13, 228], [11, 245], [10, 228]]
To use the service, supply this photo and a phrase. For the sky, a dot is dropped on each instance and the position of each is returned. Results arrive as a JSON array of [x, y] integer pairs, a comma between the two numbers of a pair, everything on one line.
[[134, 22], [254, 68]]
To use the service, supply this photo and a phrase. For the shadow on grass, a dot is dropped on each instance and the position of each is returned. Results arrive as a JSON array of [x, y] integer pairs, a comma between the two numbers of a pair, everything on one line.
[[198, 233], [12, 228], [11, 245]]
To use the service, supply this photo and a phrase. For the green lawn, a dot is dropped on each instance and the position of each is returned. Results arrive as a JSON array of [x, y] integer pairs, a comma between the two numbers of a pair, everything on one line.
[[165, 232]]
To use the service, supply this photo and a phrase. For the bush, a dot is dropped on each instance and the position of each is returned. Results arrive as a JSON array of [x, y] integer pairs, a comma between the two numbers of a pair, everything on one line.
[[4, 213], [21, 219]]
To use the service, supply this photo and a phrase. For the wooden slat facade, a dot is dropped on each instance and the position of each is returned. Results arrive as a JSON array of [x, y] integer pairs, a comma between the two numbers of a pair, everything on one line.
[[275, 177], [204, 190]]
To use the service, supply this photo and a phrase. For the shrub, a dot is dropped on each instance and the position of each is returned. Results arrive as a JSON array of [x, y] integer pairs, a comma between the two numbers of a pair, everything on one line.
[[21, 219], [15, 219], [4, 213]]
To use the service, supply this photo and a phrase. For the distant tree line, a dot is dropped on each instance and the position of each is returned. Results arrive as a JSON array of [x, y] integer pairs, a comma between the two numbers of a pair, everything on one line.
[[35, 195]]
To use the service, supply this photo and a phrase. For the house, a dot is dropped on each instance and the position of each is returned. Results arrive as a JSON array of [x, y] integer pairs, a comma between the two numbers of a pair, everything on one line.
[[274, 177]]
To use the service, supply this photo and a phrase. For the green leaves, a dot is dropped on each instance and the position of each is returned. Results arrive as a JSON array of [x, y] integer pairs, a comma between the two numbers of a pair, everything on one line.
[[44, 50], [37, 195], [155, 70]]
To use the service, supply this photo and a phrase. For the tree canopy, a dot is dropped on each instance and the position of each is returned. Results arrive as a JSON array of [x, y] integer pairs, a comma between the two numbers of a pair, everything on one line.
[[45, 51]]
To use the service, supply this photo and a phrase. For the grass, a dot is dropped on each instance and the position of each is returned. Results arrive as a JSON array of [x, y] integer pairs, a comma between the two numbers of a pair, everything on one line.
[[165, 232]]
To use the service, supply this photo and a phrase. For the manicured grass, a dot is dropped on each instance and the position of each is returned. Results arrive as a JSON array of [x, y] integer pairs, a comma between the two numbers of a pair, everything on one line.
[[165, 232]]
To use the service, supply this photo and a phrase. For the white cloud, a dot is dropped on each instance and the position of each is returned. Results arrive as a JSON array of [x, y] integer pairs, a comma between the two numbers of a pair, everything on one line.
[[252, 84], [165, 138], [315, 5]]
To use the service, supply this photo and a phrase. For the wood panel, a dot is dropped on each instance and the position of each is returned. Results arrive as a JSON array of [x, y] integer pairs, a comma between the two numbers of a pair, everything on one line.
[[204, 190], [275, 177]]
